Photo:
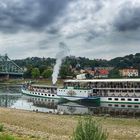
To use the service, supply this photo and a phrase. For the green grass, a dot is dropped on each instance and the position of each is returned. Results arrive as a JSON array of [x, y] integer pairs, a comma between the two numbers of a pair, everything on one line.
[[7, 137]]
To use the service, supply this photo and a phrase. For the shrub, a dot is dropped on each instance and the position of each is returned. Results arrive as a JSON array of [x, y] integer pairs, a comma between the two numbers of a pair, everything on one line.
[[88, 129], [1, 127]]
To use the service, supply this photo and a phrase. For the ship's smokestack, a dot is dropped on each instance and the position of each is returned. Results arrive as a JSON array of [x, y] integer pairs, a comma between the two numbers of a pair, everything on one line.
[[63, 52]]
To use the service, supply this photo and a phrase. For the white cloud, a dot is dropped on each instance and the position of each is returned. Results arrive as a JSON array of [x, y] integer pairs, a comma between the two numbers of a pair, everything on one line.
[[88, 27]]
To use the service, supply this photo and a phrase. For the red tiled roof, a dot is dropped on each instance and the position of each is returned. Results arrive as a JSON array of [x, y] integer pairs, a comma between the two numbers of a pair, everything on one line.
[[103, 72]]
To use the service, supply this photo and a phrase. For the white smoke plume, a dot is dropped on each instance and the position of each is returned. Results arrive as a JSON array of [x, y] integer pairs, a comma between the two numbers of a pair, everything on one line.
[[63, 52]]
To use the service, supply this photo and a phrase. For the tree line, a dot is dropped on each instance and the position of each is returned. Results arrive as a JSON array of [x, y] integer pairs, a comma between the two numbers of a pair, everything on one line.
[[36, 67]]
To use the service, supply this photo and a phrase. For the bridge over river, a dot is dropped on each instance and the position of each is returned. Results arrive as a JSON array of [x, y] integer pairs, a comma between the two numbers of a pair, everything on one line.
[[9, 68]]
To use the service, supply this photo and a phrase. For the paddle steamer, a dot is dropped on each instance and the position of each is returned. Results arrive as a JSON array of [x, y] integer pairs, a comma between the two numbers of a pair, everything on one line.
[[108, 90]]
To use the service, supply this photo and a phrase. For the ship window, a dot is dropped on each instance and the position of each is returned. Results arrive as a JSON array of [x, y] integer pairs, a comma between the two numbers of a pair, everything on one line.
[[38, 93], [129, 99], [116, 105], [116, 99], [136, 99], [109, 98], [109, 104], [129, 106], [35, 93], [48, 94], [122, 105], [136, 106], [122, 99], [45, 94], [137, 90], [41, 94], [52, 95]]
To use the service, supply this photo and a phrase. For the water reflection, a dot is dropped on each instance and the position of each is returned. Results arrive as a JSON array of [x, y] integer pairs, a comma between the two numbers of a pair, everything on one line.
[[9, 95], [124, 110], [7, 100], [12, 98]]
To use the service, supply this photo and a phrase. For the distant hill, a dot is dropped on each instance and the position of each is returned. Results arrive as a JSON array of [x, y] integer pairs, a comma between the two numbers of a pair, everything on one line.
[[126, 61], [72, 64], [118, 62]]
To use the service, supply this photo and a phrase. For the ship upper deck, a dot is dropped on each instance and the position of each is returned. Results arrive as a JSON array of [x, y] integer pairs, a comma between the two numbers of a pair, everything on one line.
[[42, 86], [102, 80]]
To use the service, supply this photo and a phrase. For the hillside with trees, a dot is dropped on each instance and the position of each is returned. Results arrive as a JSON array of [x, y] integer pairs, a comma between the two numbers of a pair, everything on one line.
[[43, 67]]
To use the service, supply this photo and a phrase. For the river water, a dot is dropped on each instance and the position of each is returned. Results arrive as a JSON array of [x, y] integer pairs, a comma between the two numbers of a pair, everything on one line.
[[11, 97]]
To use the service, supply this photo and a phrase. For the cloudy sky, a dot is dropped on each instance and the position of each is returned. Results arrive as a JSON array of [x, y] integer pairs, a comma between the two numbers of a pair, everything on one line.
[[90, 28]]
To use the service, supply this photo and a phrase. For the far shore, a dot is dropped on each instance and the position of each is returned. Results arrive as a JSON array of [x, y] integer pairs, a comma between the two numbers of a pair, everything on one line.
[[43, 126], [37, 81]]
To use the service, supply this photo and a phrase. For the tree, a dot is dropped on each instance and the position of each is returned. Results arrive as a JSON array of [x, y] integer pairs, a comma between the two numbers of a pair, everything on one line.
[[42, 68], [65, 71], [47, 73], [114, 73], [35, 73], [28, 72], [88, 129]]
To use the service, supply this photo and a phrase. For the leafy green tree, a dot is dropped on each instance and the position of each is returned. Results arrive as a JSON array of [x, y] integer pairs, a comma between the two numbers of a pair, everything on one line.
[[35, 73], [88, 129], [65, 71], [42, 68], [47, 73], [28, 72], [114, 73]]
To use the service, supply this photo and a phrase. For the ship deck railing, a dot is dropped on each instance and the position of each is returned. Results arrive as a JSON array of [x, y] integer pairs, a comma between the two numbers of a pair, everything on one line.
[[78, 88], [121, 88]]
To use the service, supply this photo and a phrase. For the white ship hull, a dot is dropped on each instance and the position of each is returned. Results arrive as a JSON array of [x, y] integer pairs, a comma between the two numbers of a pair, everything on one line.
[[40, 94], [72, 94], [72, 98]]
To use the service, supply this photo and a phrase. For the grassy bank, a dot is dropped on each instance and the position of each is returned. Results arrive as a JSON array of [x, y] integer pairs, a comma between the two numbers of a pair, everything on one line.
[[37, 81], [41, 126]]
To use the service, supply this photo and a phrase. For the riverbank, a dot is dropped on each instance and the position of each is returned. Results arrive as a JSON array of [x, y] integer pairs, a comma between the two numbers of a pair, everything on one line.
[[42, 126], [37, 81]]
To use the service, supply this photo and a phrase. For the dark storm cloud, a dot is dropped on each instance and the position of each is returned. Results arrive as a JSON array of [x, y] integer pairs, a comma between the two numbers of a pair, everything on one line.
[[128, 18], [92, 28], [29, 14], [53, 30], [92, 35], [99, 4]]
